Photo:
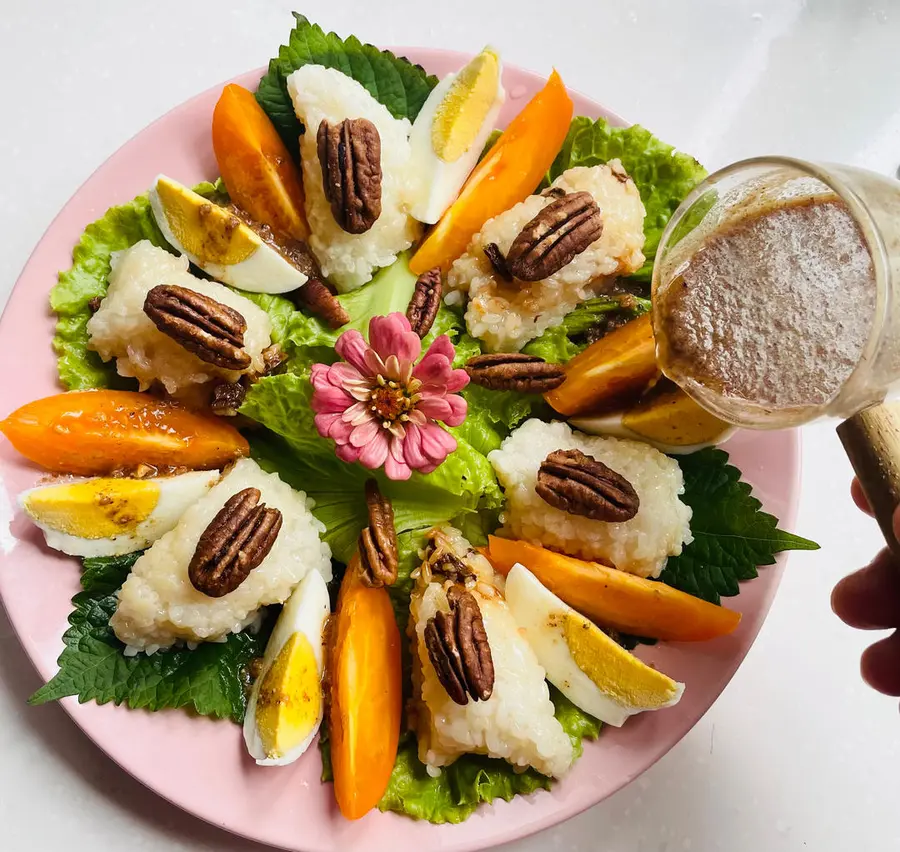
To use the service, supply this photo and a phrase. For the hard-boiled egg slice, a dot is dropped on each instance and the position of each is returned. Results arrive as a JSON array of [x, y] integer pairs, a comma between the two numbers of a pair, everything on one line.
[[287, 701], [590, 669], [214, 239], [111, 516], [666, 418], [450, 132]]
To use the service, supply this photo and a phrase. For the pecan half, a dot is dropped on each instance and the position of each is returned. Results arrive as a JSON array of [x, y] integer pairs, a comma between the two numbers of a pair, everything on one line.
[[562, 230], [426, 300], [316, 296], [212, 331], [378, 551], [514, 371], [350, 157], [236, 541], [227, 398], [580, 485], [459, 650], [498, 261]]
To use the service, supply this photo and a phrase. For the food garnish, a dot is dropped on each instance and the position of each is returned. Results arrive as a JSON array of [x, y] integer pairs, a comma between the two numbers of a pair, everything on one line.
[[555, 236], [511, 170], [514, 371], [255, 165], [219, 242], [615, 369], [236, 540], [92, 433], [425, 302], [459, 649], [378, 554], [320, 301], [287, 702], [616, 599], [381, 408], [350, 157], [580, 485], [366, 694], [111, 516], [212, 331], [592, 670], [451, 130]]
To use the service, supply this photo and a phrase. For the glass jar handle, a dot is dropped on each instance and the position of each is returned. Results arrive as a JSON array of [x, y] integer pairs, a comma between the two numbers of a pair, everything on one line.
[[871, 439]]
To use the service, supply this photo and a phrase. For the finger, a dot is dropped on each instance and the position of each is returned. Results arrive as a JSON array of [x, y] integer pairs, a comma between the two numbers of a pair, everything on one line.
[[870, 598], [859, 497], [880, 665]]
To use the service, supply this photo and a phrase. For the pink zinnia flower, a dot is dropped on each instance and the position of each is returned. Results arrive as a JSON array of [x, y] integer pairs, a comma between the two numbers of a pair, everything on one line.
[[381, 408]]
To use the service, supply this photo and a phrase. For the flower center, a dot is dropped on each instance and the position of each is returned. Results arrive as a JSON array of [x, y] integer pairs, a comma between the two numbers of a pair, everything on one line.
[[390, 401]]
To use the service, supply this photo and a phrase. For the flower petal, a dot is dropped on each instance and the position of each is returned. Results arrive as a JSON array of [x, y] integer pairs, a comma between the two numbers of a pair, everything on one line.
[[340, 431], [393, 335], [330, 399], [341, 374], [457, 381], [395, 466], [434, 406], [347, 453], [412, 448], [361, 435], [437, 443], [375, 453], [318, 375], [352, 347], [458, 409], [433, 371], [324, 422]]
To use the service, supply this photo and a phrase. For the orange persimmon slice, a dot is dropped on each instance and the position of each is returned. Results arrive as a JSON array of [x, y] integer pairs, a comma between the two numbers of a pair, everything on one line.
[[92, 433], [366, 694], [508, 174], [615, 598], [257, 168], [615, 369]]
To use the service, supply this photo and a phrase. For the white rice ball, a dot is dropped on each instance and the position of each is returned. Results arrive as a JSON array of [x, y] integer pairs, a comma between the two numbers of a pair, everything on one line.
[[517, 723], [158, 604], [640, 546], [120, 329], [349, 260], [507, 315]]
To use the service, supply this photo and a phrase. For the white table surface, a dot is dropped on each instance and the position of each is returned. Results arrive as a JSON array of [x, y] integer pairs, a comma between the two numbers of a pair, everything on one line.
[[798, 753]]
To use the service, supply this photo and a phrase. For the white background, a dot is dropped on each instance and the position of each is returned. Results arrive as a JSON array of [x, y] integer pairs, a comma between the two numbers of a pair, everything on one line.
[[797, 754]]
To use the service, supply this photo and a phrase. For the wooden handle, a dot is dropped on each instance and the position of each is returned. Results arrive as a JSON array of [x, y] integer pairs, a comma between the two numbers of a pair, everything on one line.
[[871, 439]]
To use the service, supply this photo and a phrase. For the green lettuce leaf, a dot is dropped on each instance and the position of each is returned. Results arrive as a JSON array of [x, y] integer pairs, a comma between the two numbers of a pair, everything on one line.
[[93, 666], [663, 175], [465, 784], [119, 228], [393, 81], [732, 535], [562, 343]]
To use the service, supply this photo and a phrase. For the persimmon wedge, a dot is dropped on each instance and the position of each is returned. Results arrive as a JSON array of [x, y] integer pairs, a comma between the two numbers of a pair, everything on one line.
[[615, 598], [257, 168], [366, 694], [94, 432], [615, 369], [510, 172]]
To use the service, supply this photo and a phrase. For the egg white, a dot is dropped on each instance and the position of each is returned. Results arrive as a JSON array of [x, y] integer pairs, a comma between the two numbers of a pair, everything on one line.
[[306, 612], [541, 616], [440, 181], [265, 271], [176, 494]]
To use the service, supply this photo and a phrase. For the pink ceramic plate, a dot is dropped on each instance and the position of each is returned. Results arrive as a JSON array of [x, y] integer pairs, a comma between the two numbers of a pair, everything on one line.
[[201, 765]]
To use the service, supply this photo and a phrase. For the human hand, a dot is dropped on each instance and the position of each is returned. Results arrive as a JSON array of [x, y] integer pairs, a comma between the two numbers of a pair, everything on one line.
[[870, 600]]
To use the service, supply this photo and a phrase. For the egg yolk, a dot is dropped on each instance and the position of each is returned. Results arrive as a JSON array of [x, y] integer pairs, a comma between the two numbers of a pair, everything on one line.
[[461, 113], [615, 672], [209, 232], [290, 698], [97, 508]]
